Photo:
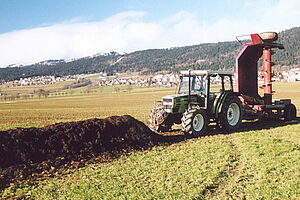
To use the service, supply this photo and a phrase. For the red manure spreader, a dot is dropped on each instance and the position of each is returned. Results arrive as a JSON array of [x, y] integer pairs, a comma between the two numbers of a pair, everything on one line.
[[198, 103], [246, 71]]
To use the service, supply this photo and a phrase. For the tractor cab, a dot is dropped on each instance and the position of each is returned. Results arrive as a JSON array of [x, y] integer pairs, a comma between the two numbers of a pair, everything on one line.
[[206, 84], [192, 84], [199, 81]]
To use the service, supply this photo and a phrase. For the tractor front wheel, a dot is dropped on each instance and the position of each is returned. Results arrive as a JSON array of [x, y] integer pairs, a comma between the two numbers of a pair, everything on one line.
[[194, 122], [230, 117], [157, 120]]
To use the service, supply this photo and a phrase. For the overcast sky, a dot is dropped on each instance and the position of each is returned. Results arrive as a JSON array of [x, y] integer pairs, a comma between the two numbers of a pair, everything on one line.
[[35, 30]]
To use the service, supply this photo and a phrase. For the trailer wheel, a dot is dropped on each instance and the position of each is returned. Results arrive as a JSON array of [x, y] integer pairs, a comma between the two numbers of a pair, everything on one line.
[[194, 122], [157, 120], [230, 117], [290, 112]]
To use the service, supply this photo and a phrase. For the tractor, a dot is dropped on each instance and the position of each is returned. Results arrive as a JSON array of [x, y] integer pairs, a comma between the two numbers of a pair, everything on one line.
[[206, 96], [198, 103]]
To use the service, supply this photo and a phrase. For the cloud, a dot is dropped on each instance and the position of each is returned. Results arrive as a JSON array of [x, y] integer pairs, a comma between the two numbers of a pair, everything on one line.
[[270, 15], [129, 31], [182, 28], [282, 15], [121, 32]]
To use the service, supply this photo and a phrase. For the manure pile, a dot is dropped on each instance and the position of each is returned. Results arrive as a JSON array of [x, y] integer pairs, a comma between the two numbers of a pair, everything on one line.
[[33, 153]]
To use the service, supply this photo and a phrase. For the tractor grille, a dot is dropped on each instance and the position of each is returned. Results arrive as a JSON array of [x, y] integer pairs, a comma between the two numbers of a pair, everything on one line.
[[168, 107]]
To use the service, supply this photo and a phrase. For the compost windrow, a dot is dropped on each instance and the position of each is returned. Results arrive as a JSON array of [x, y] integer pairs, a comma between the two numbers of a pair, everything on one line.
[[27, 153]]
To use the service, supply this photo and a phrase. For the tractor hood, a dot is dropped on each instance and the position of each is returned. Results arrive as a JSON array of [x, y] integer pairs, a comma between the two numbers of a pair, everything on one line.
[[177, 103]]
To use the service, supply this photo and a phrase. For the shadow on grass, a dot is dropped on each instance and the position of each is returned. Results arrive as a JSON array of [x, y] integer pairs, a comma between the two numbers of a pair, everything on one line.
[[266, 124], [175, 135]]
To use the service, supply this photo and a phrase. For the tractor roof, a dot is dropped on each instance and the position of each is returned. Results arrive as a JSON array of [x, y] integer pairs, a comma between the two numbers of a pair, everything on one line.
[[205, 72]]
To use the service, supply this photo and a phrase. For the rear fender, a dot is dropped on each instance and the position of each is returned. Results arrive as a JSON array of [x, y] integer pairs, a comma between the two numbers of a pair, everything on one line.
[[219, 102]]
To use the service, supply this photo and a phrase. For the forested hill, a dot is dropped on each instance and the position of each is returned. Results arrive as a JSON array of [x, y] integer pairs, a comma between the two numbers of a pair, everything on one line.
[[204, 56]]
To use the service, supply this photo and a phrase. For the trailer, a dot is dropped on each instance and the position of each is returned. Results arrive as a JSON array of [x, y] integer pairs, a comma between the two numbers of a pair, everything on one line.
[[260, 47]]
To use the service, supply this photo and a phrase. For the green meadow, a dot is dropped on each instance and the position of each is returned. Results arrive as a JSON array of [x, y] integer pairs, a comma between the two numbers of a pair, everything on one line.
[[260, 161]]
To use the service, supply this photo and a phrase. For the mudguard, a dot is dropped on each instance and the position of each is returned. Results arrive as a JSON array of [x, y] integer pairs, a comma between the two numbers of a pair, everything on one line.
[[219, 101]]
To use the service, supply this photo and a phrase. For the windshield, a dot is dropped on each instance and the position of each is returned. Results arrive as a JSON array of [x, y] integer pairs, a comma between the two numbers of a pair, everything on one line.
[[197, 84]]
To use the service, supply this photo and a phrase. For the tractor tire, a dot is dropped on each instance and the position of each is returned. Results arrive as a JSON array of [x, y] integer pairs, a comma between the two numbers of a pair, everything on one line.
[[231, 114], [157, 120], [194, 122], [290, 112], [268, 36]]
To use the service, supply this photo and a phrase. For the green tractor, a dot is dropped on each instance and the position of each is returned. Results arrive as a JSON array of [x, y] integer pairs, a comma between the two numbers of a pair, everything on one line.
[[202, 97]]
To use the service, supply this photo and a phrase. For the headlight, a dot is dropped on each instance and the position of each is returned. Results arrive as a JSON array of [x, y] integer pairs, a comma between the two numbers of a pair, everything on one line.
[[167, 102]]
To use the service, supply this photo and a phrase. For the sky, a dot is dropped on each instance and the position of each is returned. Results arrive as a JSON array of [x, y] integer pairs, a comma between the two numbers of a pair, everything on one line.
[[33, 30]]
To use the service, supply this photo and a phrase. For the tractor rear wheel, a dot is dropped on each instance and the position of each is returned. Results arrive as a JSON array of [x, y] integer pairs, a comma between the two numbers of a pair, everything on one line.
[[290, 112], [157, 120], [231, 114], [194, 122]]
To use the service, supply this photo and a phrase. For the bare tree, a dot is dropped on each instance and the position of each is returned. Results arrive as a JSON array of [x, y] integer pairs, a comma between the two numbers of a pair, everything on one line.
[[129, 88], [116, 89]]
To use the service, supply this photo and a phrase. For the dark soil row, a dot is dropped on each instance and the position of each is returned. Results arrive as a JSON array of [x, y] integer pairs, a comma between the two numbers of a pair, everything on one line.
[[28, 153]]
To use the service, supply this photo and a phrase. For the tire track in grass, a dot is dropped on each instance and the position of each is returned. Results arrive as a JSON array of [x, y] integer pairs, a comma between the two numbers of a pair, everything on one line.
[[227, 175], [235, 167], [289, 136], [267, 168]]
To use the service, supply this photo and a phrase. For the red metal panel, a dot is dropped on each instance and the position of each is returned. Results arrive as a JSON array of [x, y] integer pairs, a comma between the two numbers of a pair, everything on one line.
[[246, 70], [238, 72], [255, 39]]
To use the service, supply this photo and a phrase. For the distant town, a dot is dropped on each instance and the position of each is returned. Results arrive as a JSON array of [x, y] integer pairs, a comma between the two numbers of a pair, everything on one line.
[[166, 80]]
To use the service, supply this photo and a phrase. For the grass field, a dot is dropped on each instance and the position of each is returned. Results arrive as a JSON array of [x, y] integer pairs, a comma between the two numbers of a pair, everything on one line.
[[257, 162], [79, 106]]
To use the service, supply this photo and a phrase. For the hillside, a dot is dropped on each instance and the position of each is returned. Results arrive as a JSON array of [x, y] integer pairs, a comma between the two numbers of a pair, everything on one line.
[[203, 56]]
